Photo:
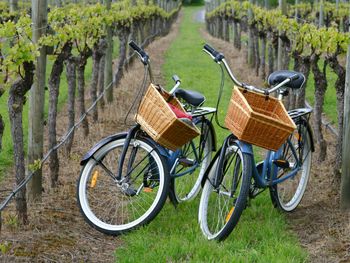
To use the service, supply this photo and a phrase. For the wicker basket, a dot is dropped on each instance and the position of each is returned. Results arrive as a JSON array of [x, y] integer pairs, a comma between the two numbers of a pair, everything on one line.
[[257, 120], [160, 122]]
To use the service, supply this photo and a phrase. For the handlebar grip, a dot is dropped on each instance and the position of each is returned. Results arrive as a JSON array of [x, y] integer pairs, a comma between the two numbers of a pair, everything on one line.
[[135, 46], [217, 55], [176, 78], [142, 53], [211, 50]]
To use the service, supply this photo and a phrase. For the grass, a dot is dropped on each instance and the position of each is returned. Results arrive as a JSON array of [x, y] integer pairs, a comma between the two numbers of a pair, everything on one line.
[[262, 234]]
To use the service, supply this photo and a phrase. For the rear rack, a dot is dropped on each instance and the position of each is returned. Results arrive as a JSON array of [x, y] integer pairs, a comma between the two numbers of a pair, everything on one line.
[[201, 111]]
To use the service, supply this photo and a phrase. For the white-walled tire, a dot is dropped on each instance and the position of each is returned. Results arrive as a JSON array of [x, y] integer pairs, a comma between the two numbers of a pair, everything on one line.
[[221, 206], [187, 187], [112, 207], [288, 194]]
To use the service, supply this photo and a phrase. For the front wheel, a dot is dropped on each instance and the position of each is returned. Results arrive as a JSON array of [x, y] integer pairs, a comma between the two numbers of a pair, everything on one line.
[[297, 152], [223, 200], [114, 206]]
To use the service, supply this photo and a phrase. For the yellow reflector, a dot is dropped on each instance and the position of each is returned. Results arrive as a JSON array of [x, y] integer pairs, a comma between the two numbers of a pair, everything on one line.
[[297, 136], [229, 214], [94, 179], [148, 190]]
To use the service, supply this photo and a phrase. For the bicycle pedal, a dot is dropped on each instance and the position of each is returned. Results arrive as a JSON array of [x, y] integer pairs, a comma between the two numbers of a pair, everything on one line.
[[281, 163], [186, 162]]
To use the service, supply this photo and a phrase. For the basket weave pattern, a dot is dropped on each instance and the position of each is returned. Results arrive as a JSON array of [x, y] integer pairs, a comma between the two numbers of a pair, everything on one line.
[[160, 122], [257, 120]]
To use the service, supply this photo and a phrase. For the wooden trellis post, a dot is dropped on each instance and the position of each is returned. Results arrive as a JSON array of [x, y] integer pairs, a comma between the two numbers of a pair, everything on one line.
[[108, 58], [283, 7], [345, 179], [37, 100]]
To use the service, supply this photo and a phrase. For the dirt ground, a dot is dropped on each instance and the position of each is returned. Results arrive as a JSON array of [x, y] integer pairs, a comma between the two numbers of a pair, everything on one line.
[[58, 233]]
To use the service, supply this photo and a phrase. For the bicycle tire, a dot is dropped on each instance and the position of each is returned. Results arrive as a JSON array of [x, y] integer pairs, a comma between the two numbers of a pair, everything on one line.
[[114, 209], [187, 187], [217, 216], [287, 195]]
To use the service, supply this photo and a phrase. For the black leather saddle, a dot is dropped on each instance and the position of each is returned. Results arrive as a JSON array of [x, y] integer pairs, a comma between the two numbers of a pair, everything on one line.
[[192, 97], [279, 76]]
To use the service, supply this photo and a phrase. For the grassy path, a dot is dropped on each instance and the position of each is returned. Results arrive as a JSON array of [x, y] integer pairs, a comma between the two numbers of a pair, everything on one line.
[[174, 236]]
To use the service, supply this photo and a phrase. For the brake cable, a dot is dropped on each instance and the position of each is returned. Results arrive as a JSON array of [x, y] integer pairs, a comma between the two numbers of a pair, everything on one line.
[[219, 97], [139, 94]]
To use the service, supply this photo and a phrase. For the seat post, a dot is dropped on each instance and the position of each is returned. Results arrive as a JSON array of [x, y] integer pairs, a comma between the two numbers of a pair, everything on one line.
[[280, 96]]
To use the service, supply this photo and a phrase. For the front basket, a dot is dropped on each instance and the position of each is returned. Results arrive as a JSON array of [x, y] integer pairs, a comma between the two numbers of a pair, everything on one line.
[[160, 122], [258, 120]]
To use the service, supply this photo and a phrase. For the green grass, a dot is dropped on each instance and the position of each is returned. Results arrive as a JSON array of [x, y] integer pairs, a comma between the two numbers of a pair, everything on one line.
[[262, 234]]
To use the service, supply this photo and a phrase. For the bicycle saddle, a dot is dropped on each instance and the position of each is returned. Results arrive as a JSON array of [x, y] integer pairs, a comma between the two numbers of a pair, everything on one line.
[[279, 76], [192, 97]]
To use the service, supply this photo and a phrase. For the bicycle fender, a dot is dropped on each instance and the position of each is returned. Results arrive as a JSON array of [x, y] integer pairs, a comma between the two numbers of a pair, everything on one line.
[[100, 144], [163, 151], [245, 147], [309, 129], [205, 176]]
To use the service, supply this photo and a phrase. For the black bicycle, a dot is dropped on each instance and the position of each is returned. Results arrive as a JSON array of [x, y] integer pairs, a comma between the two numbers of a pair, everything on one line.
[[127, 177], [233, 175]]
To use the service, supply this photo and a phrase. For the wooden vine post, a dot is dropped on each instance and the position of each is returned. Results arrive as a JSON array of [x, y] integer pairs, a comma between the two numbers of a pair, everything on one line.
[[251, 57], [280, 55], [13, 5], [37, 101], [345, 179], [321, 14], [108, 74]]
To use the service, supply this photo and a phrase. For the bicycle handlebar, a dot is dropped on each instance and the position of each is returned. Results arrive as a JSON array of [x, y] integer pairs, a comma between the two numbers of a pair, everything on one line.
[[176, 78], [219, 57], [177, 84], [143, 55]]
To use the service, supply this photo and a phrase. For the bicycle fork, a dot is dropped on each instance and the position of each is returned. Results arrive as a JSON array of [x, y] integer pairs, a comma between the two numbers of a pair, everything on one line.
[[121, 182], [220, 166]]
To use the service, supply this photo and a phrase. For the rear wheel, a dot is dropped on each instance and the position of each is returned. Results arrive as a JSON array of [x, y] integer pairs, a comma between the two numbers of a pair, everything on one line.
[[223, 200], [114, 206], [297, 152], [186, 187]]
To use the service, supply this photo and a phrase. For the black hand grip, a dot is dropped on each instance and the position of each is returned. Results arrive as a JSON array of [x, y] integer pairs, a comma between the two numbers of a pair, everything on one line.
[[135, 46], [142, 53], [176, 78], [217, 55], [211, 50]]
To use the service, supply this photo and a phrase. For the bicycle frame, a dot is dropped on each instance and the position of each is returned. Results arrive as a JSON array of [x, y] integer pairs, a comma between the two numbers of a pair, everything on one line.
[[171, 157], [268, 175]]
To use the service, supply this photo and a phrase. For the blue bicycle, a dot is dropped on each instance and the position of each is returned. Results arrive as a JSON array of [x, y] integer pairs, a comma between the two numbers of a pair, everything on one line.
[[233, 176], [127, 177]]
